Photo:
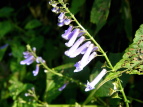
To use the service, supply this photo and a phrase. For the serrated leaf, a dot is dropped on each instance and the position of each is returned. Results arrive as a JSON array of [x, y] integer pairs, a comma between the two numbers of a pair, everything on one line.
[[75, 6], [6, 11], [133, 56], [33, 24], [99, 13], [5, 27]]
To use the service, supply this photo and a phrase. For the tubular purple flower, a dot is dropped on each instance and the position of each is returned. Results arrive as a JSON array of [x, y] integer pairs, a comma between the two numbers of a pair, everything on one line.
[[85, 59], [67, 32], [61, 16], [75, 46], [36, 71], [61, 20], [91, 85], [87, 53], [63, 87], [81, 33], [60, 24], [67, 21], [28, 60], [39, 59], [94, 49], [54, 9], [80, 49], [73, 38]]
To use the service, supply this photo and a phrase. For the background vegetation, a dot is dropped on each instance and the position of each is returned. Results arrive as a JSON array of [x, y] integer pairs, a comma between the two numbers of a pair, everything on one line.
[[112, 23]]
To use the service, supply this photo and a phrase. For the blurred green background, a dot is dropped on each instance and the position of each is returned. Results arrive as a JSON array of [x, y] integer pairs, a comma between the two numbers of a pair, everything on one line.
[[112, 23]]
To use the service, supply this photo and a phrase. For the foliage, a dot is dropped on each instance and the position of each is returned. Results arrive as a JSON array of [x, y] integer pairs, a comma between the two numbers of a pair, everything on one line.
[[112, 24]]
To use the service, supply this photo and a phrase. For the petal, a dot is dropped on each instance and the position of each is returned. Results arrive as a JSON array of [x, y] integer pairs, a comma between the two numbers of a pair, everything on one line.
[[67, 21], [67, 32], [60, 24], [89, 87], [80, 49], [27, 61], [92, 84], [73, 38], [55, 9], [36, 71], [87, 53], [85, 59], [61, 16], [63, 87], [75, 46]]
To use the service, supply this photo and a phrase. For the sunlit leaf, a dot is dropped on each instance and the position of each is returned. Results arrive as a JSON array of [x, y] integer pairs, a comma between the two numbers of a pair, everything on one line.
[[133, 56]]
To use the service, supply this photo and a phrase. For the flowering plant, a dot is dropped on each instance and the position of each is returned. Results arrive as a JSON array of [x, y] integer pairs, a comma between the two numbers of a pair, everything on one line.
[[83, 65]]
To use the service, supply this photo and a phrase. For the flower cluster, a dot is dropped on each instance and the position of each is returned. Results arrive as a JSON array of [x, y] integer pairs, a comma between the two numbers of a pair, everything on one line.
[[62, 18], [77, 42], [29, 59]]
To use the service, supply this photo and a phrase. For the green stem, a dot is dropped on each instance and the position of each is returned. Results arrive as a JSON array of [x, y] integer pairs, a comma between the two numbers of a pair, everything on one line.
[[123, 93], [52, 70]]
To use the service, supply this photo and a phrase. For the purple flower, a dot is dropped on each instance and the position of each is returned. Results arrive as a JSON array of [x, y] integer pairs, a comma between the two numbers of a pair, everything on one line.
[[4, 46], [73, 38], [36, 71], [87, 57], [39, 59], [29, 59], [61, 24], [81, 49], [63, 87], [67, 33], [61, 16], [67, 21], [71, 51], [91, 85], [55, 9]]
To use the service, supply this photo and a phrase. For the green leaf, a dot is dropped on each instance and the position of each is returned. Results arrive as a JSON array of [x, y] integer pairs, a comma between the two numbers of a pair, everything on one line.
[[51, 88], [127, 18], [17, 50], [99, 13], [38, 42], [5, 27], [33, 24], [6, 11], [132, 59], [75, 6], [104, 90]]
